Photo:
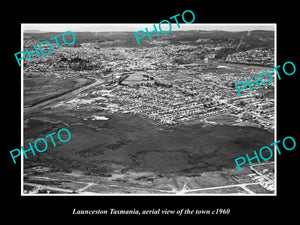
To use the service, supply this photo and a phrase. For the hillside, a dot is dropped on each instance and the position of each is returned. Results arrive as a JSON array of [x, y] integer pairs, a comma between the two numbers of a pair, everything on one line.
[[252, 39]]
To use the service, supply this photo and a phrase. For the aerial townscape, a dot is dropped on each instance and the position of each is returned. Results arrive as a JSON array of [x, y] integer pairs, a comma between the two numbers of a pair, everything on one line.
[[160, 118]]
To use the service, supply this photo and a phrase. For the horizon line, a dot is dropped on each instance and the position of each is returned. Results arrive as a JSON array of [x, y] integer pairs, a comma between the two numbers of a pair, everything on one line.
[[38, 31], [130, 27]]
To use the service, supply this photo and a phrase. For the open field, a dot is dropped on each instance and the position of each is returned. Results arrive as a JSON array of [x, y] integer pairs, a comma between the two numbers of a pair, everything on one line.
[[133, 143], [223, 118], [39, 89]]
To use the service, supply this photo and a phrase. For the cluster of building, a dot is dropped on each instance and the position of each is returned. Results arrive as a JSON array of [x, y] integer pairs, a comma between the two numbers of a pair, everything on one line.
[[258, 56], [177, 92], [172, 96], [254, 109], [265, 178], [189, 99], [95, 57]]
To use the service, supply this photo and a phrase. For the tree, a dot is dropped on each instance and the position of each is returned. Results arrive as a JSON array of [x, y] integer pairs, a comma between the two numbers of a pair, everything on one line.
[[179, 60], [224, 52], [241, 103]]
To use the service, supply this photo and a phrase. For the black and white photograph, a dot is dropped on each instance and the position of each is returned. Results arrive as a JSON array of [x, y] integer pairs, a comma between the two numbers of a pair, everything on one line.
[[160, 118], [145, 111]]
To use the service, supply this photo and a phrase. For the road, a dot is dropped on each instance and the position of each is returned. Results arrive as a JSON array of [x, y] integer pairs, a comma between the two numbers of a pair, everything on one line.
[[38, 187], [243, 186], [183, 191], [64, 96]]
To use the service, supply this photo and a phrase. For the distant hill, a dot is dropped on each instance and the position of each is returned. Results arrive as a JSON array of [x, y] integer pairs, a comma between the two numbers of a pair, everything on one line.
[[33, 31], [244, 39]]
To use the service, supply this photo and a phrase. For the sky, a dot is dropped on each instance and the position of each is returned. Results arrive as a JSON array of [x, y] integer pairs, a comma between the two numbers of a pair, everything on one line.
[[60, 27]]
